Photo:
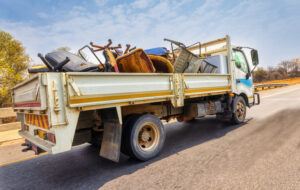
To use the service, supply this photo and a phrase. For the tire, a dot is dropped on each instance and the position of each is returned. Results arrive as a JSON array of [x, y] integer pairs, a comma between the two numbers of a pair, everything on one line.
[[143, 137], [239, 115], [96, 139], [129, 121]]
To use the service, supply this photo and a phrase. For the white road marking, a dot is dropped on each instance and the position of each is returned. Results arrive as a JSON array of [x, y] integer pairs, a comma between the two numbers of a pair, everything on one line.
[[282, 92]]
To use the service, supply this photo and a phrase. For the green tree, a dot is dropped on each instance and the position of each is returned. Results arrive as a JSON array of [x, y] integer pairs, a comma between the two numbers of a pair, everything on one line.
[[13, 65]]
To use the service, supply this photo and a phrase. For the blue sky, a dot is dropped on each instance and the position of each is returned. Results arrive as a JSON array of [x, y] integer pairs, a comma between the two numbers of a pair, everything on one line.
[[271, 26]]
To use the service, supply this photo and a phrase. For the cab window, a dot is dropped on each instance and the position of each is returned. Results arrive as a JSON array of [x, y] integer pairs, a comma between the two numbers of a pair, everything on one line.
[[240, 60]]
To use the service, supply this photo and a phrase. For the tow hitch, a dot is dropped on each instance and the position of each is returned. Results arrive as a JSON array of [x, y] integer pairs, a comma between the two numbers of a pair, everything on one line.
[[30, 146]]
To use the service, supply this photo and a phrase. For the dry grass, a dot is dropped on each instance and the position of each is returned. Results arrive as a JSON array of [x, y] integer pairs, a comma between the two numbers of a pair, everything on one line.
[[290, 81]]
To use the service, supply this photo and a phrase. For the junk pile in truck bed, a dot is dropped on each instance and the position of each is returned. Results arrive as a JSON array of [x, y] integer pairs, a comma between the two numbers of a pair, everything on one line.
[[132, 60]]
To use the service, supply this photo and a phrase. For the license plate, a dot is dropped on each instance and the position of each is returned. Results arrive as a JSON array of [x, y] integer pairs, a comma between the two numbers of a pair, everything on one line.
[[35, 149]]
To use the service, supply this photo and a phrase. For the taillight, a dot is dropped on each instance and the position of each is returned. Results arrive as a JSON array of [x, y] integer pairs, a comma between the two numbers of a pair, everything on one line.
[[25, 127], [44, 135], [51, 137]]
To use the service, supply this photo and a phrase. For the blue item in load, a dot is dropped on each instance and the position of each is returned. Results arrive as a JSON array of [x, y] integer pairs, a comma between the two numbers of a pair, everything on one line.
[[157, 51]]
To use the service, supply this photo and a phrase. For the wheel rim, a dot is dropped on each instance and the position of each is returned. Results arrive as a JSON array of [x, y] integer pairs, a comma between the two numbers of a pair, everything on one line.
[[240, 110], [148, 136]]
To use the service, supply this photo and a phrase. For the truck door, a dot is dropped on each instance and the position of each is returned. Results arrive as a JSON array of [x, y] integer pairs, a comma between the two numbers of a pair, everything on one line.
[[244, 83]]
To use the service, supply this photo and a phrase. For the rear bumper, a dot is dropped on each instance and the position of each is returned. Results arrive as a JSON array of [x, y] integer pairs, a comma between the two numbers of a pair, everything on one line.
[[47, 146]]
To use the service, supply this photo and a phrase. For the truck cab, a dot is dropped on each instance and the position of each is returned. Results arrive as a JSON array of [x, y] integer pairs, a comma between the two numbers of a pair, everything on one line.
[[245, 60]]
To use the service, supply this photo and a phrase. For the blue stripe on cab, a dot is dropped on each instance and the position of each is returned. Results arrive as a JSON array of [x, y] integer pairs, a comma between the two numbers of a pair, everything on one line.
[[247, 82]]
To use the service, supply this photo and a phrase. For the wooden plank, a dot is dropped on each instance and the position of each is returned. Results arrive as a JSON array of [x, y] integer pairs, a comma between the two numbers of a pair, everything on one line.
[[9, 135], [10, 126], [211, 43], [214, 51], [207, 44], [7, 112]]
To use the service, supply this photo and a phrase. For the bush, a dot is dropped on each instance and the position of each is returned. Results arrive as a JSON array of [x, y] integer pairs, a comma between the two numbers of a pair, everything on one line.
[[260, 75]]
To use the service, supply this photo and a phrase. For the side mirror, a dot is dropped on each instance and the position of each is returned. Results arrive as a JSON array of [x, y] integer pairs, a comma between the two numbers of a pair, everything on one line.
[[254, 57], [248, 75]]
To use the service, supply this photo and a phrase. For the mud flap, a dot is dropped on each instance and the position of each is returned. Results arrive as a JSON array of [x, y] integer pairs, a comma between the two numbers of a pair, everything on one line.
[[111, 142]]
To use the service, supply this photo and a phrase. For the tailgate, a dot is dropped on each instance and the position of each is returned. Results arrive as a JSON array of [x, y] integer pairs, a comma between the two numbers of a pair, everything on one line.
[[29, 94], [40, 106]]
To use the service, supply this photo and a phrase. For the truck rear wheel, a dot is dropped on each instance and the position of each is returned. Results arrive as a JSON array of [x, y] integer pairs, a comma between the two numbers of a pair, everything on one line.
[[240, 110], [143, 137], [96, 138]]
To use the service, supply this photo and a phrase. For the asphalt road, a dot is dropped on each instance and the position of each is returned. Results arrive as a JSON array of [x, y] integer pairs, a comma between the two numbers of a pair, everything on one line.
[[263, 153]]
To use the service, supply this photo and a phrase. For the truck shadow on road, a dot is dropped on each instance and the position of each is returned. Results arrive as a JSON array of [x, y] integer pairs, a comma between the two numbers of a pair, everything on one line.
[[82, 168]]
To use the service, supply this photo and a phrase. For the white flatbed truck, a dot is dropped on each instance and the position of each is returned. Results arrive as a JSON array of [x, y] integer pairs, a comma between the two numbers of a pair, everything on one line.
[[123, 111]]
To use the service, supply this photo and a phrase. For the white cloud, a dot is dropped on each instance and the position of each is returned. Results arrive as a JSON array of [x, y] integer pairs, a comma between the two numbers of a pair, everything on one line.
[[100, 3], [43, 15], [140, 4], [249, 23], [208, 5]]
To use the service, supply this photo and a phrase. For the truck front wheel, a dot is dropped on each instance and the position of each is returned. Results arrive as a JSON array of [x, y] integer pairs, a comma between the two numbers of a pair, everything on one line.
[[143, 137], [239, 115]]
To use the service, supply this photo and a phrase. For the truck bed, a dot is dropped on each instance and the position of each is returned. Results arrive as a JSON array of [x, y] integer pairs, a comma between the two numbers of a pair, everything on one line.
[[109, 89], [86, 90]]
